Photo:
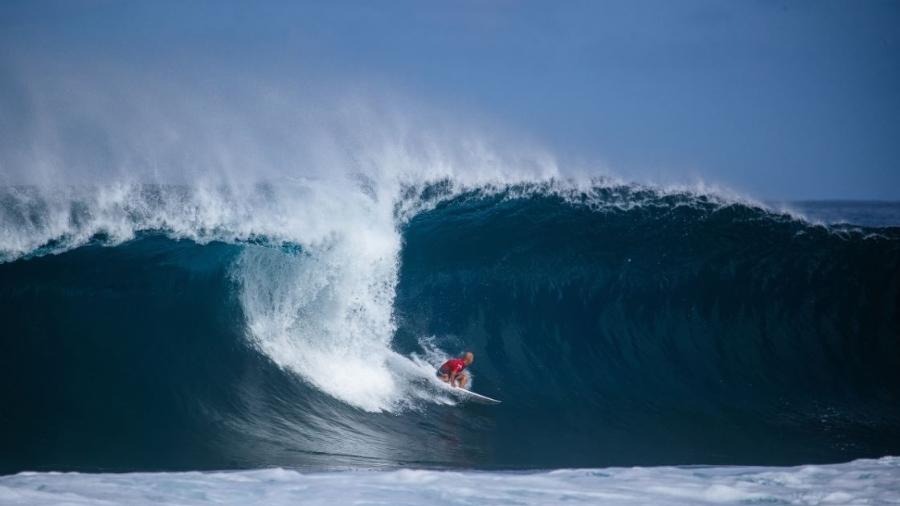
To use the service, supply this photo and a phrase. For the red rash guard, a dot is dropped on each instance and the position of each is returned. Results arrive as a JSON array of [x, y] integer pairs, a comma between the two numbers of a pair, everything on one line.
[[453, 365]]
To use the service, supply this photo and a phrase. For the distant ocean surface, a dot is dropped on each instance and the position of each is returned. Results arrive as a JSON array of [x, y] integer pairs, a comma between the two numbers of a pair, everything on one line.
[[854, 212], [276, 345]]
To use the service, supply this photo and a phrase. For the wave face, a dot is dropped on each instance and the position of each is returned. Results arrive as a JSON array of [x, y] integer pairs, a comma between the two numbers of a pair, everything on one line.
[[620, 325]]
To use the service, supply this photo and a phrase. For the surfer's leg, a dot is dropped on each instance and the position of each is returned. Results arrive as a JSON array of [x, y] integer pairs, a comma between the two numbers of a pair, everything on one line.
[[444, 377], [462, 380]]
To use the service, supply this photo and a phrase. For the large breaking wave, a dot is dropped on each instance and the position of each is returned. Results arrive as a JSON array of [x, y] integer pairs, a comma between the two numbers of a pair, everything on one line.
[[290, 323]]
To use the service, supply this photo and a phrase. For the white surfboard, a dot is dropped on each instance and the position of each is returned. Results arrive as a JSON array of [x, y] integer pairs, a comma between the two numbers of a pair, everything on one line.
[[468, 395]]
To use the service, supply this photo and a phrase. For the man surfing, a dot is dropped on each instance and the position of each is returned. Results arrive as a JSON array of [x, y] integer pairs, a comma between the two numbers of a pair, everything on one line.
[[452, 370]]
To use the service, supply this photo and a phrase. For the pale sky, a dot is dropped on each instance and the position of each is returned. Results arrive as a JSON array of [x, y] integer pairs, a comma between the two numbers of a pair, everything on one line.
[[779, 100]]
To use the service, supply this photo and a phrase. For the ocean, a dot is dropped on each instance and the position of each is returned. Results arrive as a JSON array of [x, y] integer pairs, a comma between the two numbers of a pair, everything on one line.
[[274, 344]]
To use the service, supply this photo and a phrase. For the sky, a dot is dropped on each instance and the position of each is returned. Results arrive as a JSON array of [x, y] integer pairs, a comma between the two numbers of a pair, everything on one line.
[[778, 100]]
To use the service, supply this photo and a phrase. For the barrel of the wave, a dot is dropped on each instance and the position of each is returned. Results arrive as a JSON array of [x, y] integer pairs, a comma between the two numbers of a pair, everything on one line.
[[661, 328]]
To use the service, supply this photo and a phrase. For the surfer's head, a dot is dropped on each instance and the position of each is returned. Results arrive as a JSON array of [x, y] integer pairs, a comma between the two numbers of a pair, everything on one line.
[[469, 357]]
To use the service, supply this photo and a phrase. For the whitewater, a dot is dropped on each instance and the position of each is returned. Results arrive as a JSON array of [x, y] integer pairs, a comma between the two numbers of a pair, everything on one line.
[[859, 482]]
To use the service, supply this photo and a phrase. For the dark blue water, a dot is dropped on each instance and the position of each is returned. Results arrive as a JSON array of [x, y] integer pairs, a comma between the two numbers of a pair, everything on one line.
[[679, 331]]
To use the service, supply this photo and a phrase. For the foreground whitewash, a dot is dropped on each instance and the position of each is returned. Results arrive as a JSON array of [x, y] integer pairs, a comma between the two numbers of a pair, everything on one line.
[[858, 482]]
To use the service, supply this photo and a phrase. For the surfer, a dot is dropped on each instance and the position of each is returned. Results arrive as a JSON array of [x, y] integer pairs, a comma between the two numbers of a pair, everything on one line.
[[451, 371]]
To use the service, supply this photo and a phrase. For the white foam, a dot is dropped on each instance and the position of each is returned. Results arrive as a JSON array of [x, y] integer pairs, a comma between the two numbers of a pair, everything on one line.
[[858, 482], [326, 313]]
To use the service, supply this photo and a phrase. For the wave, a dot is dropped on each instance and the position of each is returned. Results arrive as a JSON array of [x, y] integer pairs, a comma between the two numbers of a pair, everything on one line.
[[290, 324]]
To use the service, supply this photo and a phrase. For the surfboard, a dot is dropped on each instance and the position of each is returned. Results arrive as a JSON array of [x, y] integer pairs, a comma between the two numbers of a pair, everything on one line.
[[468, 395], [471, 396]]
